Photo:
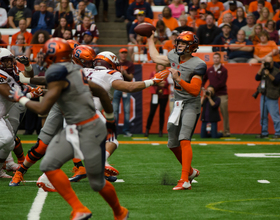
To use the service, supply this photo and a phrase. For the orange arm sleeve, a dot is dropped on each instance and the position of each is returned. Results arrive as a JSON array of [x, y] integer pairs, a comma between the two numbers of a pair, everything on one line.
[[193, 88]]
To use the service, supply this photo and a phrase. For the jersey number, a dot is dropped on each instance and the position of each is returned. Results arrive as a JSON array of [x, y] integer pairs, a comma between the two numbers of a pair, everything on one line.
[[176, 86]]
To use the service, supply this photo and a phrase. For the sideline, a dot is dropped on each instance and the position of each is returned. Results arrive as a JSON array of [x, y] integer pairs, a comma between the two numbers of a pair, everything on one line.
[[252, 143], [37, 205]]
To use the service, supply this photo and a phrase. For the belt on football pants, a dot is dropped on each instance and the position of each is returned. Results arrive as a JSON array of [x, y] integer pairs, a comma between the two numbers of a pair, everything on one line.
[[88, 120]]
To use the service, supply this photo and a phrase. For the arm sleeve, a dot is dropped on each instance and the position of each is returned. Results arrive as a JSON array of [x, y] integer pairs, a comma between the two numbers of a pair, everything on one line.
[[193, 87], [217, 102]]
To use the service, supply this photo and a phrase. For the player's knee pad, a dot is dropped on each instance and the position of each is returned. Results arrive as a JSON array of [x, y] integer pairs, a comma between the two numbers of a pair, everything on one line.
[[36, 152]]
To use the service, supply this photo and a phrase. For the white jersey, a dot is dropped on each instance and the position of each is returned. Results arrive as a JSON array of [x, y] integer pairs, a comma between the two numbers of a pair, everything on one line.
[[104, 78], [6, 105]]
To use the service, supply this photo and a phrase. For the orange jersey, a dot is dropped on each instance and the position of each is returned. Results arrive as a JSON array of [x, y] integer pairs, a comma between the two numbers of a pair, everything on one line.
[[216, 9], [276, 17], [262, 50], [261, 22], [168, 45], [199, 22], [171, 23], [27, 36], [190, 22], [220, 21], [253, 6], [256, 40]]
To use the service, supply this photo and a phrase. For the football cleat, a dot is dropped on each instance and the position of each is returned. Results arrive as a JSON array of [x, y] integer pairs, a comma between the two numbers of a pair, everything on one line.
[[123, 216], [194, 174], [11, 166], [17, 178], [111, 178], [44, 183], [79, 173], [3, 174], [111, 171], [81, 214], [182, 185]]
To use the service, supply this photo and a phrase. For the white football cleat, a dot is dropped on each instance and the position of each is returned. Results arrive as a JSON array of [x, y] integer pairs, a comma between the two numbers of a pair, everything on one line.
[[3, 174], [194, 174], [44, 183], [12, 166]]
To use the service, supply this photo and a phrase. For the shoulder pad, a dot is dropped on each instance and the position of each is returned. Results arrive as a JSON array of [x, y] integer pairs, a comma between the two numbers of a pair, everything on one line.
[[200, 69], [56, 72]]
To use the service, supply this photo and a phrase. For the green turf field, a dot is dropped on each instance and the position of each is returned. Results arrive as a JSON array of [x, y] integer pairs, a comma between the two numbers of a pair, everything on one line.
[[226, 189]]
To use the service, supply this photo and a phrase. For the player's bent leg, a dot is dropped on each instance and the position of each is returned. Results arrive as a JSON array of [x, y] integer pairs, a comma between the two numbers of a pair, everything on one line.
[[110, 148], [34, 154], [19, 151], [173, 142]]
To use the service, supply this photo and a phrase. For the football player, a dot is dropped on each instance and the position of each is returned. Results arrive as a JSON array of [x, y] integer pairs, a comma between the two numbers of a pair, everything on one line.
[[187, 72], [9, 111], [85, 133], [105, 73]]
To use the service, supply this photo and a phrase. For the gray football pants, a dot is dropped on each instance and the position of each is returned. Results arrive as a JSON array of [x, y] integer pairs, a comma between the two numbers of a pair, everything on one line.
[[92, 144]]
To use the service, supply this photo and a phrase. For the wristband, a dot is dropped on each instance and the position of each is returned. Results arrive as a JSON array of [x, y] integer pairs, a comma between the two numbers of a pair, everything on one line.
[[28, 68], [148, 83], [23, 100], [109, 116], [24, 79]]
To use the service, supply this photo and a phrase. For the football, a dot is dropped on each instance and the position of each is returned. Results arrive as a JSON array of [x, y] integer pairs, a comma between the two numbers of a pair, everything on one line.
[[144, 29]]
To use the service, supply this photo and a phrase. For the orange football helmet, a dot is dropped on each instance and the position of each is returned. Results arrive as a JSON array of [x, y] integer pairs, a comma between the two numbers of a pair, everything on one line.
[[73, 43], [190, 39], [57, 50], [83, 55], [107, 59]]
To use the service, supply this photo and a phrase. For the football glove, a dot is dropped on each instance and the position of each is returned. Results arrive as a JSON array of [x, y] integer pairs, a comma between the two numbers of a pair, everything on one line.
[[16, 93], [23, 59], [160, 76]]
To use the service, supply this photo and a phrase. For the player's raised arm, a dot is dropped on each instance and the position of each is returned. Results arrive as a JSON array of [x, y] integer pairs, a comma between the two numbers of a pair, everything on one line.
[[28, 70], [161, 59]]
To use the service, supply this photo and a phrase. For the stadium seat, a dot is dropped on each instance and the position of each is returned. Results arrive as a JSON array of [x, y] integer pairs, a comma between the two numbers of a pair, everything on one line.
[[5, 38]]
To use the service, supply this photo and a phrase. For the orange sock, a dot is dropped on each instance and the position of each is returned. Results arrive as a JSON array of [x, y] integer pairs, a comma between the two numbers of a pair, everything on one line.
[[61, 183], [75, 160], [110, 196], [191, 171], [186, 159], [178, 153]]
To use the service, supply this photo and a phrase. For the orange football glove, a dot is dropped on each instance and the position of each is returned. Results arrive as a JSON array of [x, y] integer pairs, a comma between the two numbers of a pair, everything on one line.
[[160, 76]]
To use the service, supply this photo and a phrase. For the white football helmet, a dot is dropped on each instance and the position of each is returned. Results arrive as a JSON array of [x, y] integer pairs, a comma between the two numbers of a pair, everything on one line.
[[5, 53], [107, 59]]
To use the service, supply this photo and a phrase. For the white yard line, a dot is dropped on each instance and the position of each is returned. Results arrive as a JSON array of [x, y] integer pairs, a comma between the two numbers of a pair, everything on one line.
[[37, 206]]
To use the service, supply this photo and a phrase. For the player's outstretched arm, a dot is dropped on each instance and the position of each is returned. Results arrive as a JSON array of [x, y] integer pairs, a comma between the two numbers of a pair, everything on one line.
[[161, 59], [54, 90], [101, 93], [129, 87], [41, 80]]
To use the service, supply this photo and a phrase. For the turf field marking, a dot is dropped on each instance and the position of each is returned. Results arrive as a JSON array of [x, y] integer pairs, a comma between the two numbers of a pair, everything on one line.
[[34, 181], [263, 181], [259, 155], [37, 206], [155, 143], [202, 144], [250, 144], [212, 206], [193, 142]]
